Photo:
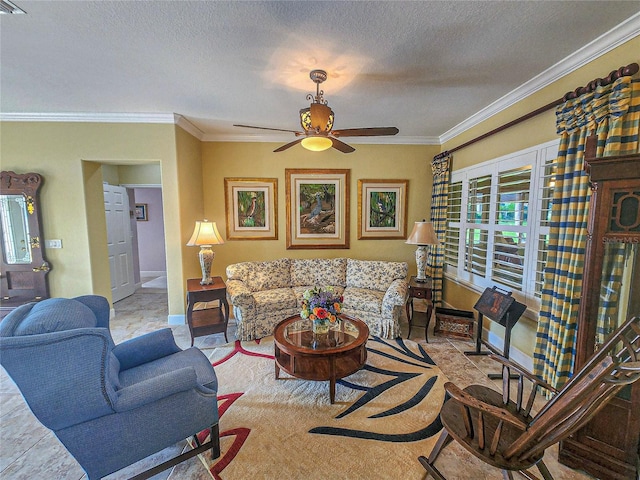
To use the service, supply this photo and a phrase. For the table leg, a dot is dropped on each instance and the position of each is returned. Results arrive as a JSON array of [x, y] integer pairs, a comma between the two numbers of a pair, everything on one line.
[[332, 390], [426, 326], [332, 380], [409, 308]]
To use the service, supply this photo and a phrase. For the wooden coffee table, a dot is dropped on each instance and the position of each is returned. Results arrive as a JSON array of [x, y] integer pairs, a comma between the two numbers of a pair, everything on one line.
[[337, 354]]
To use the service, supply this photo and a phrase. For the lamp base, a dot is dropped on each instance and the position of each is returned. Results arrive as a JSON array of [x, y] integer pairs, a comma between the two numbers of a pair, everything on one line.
[[421, 263], [206, 256]]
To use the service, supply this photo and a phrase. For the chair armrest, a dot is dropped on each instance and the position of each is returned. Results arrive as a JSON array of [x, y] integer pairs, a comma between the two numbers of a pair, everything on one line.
[[522, 371], [472, 402], [396, 294], [239, 294], [146, 348], [157, 388]]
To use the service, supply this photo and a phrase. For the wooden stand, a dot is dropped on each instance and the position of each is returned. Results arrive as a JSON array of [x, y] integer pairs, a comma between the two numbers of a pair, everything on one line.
[[207, 321], [501, 308]]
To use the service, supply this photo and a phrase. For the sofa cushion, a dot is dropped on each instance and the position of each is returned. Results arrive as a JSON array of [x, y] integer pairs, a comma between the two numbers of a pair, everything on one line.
[[374, 275], [319, 272], [274, 300], [268, 275], [55, 315], [363, 299]]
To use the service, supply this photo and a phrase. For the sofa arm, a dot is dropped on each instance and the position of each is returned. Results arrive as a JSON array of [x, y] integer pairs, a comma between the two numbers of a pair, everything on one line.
[[239, 294], [396, 294], [146, 348]]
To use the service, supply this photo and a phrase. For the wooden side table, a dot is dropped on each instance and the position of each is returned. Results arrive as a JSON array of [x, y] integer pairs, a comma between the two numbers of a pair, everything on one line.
[[207, 321], [423, 290]]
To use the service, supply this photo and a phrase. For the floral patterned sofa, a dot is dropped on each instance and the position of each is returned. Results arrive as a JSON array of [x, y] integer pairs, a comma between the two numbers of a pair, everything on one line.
[[264, 293]]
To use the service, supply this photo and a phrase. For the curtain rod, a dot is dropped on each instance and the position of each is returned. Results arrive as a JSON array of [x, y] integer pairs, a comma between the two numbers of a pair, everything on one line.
[[630, 69]]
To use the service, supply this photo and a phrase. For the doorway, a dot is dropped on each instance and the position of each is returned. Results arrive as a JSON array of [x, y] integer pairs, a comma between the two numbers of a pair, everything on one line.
[[150, 237]]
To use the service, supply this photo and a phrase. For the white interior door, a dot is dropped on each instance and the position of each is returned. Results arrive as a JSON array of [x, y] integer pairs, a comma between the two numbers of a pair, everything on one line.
[[116, 207]]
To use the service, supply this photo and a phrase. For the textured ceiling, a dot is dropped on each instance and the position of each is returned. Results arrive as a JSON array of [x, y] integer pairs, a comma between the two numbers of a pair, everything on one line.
[[424, 67]]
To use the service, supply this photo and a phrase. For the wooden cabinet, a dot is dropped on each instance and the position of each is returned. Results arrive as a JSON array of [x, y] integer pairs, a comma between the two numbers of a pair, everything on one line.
[[23, 267], [609, 446]]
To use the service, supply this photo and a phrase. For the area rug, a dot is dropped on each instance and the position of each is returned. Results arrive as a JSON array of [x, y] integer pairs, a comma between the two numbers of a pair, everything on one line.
[[384, 416]]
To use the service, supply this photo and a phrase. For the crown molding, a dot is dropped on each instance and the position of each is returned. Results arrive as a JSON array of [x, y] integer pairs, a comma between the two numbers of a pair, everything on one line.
[[606, 42], [280, 138], [187, 126], [89, 117]]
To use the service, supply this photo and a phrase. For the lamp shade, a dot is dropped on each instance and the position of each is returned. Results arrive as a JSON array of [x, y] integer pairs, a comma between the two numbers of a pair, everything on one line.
[[205, 233], [423, 234]]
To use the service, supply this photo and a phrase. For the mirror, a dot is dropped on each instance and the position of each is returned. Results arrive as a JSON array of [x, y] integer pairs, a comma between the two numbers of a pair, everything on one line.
[[14, 227], [23, 277]]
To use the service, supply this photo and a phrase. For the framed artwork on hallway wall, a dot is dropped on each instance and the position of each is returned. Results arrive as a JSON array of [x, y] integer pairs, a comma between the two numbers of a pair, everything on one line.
[[251, 208], [317, 208], [382, 209], [141, 212]]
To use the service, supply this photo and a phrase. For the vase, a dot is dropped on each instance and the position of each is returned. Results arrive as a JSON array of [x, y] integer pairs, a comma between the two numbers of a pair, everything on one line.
[[320, 327]]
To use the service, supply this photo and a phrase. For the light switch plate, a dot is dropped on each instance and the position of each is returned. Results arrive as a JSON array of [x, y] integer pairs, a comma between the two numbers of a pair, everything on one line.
[[56, 243]]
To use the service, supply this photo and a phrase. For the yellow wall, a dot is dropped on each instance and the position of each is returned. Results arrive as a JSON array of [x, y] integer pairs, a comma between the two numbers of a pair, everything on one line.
[[535, 131], [251, 160], [69, 156]]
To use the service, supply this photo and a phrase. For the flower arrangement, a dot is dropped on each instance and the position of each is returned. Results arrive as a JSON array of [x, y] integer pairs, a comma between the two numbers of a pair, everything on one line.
[[321, 304]]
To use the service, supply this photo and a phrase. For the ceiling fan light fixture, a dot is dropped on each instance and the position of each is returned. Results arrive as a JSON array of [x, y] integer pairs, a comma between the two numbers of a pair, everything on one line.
[[317, 144], [317, 118]]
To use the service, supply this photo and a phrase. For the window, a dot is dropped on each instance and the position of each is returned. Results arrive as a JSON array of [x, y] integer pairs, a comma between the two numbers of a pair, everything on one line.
[[503, 208]]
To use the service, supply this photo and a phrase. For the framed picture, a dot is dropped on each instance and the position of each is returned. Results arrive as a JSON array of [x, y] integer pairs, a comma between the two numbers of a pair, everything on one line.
[[317, 208], [251, 207], [382, 209], [141, 212]]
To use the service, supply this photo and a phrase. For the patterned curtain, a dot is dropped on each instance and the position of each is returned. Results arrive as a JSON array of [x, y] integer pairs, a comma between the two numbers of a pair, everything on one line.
[[613, 112], [435, 260]]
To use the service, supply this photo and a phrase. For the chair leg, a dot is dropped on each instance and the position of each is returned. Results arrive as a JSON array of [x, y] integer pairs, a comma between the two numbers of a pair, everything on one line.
[[544, 471], [215, 441], [431, 469], [443, 440], [507, 475]]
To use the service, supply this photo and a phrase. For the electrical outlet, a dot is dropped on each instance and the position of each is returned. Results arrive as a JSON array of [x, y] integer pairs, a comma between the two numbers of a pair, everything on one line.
[[53, 243]]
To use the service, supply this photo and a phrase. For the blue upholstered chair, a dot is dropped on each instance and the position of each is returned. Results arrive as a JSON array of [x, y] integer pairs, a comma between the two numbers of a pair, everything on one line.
[[110, 405]]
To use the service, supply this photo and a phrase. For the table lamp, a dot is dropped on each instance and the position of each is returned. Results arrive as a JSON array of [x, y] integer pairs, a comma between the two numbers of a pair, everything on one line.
[[422, 235], [205, 234]]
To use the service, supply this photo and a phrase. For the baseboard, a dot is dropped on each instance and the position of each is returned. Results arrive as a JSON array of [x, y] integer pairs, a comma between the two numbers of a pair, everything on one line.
[[152, 273], [176, 319]]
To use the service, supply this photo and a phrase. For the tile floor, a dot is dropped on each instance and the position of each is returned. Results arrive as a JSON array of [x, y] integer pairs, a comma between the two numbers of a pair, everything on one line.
[[28, 450]]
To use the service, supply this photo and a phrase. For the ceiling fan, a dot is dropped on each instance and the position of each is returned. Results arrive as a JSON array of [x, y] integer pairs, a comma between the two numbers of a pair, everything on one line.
[[317, 124]]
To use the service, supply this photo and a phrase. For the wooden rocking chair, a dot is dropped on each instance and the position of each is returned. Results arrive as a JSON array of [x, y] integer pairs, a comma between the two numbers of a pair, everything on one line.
[[502, 432]]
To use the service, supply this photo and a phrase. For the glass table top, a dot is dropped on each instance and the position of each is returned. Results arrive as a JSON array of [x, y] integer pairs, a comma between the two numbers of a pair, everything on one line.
[[341, 333]]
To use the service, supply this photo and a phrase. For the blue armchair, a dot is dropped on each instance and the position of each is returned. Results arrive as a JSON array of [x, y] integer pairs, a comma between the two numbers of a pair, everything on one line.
[[110, 405]]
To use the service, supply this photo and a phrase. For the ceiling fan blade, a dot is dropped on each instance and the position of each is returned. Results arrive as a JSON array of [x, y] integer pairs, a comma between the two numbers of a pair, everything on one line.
[[267, 128], [343, 147], [288, 145], [365, 132]]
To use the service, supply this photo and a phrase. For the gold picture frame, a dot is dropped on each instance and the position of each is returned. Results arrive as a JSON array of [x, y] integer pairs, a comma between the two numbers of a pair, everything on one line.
[[317, 208], [382, 209], [251, 208]]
